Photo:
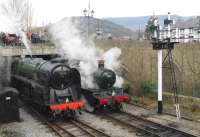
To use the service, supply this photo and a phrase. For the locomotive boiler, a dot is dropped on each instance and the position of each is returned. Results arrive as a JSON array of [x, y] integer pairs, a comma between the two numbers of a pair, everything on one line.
[[51, 85], [105, 95]]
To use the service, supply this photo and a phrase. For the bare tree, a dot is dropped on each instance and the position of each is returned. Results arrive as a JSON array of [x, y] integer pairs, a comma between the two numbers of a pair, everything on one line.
[[21, 10], [29, 15], [150, 27]]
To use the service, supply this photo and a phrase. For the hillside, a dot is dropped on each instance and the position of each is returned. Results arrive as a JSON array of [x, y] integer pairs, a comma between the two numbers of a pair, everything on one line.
[[133, 23], [104, 25]]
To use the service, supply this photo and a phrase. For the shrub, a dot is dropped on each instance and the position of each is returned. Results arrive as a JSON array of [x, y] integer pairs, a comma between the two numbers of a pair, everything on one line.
[[126, 86], [194, 107], [148, 87], [136, 99]]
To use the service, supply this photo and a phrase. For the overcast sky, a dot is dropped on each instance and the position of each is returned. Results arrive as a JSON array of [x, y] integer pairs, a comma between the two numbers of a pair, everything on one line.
[[54, 10]]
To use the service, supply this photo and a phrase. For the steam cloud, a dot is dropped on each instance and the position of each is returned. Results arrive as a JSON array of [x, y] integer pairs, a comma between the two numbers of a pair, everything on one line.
[[11, 21], [72, 46]]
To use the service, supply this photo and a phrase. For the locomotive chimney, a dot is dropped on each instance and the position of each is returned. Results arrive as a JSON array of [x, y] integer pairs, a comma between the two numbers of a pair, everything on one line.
[[100, 63]]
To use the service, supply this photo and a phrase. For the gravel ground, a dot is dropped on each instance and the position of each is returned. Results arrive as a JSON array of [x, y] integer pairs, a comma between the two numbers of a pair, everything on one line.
[[191, 127], [106, 126], [29, 127]]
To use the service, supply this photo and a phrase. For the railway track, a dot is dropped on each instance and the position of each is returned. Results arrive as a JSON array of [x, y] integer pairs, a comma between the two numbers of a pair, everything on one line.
[[75, 128], [165, 112], [70, 127], [145, 126]]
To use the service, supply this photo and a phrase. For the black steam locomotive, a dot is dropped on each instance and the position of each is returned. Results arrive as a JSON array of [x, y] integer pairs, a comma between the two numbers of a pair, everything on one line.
[[51, 85], [105, 96]]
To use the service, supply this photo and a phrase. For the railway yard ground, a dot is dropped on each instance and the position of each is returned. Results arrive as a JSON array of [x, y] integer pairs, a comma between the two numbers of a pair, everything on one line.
[[31, 126], [185, 125]]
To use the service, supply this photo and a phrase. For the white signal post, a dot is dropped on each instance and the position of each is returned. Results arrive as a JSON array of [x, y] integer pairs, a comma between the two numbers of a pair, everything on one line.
[[159, 57], [160, 43], [168, 26], [160, 104]]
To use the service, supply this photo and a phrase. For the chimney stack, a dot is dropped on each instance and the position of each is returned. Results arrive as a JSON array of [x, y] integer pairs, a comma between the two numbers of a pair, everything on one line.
[[100, 63]]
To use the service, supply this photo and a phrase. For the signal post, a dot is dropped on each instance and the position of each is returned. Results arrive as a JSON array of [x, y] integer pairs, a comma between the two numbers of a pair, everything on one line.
[[164, 43]]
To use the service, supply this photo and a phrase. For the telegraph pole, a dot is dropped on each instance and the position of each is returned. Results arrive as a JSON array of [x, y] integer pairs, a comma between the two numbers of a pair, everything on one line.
[[27, 21], [88, 13]]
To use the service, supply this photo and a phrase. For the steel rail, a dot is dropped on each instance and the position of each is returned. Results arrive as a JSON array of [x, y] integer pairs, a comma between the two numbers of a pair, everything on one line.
[[77, 122], [165, 112], [132, 126], [148, 126], [63, 129]]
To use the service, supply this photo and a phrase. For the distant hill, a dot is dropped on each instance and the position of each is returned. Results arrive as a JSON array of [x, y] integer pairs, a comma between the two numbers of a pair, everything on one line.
[[134, 23], [104, 26]]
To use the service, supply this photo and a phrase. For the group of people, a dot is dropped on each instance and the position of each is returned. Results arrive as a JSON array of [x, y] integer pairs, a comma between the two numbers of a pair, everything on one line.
[[37, 37], [8, 39]]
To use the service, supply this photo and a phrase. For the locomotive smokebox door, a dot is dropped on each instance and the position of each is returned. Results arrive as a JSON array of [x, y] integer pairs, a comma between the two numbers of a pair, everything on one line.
[[9, 108]]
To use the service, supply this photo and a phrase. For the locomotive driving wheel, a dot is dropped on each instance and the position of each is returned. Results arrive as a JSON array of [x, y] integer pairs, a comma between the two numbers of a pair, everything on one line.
[[88, 106], [51, 116]]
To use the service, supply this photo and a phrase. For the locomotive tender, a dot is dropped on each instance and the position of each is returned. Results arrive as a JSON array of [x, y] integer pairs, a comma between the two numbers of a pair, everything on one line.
[[51, 85]]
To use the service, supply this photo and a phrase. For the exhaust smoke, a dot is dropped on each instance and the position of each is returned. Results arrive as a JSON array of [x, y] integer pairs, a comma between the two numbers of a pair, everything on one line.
[[71, 46], [11, 16]]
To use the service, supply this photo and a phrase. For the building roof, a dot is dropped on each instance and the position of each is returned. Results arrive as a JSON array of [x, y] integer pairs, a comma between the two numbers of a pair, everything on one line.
[[186, 24]]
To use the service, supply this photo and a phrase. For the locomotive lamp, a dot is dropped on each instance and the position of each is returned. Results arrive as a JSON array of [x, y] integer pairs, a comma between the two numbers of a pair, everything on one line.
[[113, 93], [160, 44], [67, 100]]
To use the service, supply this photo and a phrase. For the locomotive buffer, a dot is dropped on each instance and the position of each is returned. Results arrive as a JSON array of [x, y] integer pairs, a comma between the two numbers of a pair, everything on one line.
[[160, 44]]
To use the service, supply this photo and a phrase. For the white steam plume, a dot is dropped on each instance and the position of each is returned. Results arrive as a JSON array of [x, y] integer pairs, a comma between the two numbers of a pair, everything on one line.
[[111, 58], [11, 22], [71, 46]]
